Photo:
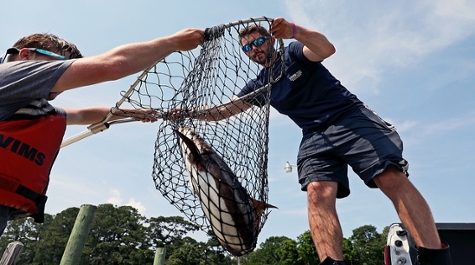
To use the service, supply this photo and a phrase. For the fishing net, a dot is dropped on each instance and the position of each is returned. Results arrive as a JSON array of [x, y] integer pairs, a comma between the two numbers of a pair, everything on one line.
[[208, 78]]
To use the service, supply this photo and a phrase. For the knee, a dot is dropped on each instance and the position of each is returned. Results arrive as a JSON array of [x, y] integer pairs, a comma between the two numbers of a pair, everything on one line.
[[392, 180], [322, 190]]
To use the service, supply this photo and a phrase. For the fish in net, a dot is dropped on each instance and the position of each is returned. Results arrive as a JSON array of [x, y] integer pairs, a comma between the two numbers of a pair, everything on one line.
[[213, 171]]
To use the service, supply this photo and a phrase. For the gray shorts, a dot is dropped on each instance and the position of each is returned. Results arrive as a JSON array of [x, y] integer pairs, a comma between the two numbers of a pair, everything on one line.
[[360, 139]]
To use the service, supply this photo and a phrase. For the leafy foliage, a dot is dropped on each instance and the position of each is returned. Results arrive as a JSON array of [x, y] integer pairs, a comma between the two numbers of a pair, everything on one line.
[[367, 246], [306, 249], [120, 235], [364, 247]]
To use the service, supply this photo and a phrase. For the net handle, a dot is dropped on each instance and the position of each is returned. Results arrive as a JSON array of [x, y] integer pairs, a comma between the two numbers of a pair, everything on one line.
[[210, 33], [218, 31], [93, 129], [105, 124]]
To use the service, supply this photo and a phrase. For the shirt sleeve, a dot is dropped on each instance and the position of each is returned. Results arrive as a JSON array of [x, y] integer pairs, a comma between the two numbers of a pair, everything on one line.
[[257, 99], [24, 81]]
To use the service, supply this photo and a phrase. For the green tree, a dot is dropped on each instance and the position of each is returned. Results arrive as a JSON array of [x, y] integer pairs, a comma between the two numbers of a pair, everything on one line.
[[214, 252], [117, 236], [169, 232], [347, 249], [28, 233], [120, 235], [163, 231], [267, 253], [384, 234], [306, 249], [367, 246], [186, 254], [54, 237], [288, 253], [186, 250]]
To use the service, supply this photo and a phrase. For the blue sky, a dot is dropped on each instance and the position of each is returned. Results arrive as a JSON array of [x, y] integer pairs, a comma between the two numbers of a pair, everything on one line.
[[413, 62]]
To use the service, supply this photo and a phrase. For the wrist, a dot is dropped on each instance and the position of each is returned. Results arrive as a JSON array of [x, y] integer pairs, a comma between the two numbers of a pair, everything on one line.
[[294, 30]]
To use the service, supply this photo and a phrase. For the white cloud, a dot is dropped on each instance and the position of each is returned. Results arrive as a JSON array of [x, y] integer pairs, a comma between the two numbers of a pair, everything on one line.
[[116, 197], [137, 205], [370, 42], [419, 132], [450, 124], [404, 125], [300, 212], [463, 10]]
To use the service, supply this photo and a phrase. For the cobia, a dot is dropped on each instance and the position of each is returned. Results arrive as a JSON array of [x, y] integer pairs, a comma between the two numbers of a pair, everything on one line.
[[234, 216]]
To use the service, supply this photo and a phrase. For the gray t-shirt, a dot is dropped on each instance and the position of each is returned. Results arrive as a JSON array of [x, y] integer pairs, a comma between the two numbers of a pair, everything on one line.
[[22, 82]]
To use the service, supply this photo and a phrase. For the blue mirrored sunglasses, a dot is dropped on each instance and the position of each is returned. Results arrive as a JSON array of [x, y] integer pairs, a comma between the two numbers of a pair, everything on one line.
[[48, 53], [38, 50], [256, 43]]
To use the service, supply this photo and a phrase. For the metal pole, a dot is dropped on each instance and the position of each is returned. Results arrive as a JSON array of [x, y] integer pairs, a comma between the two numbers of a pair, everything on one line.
[[77, 239]]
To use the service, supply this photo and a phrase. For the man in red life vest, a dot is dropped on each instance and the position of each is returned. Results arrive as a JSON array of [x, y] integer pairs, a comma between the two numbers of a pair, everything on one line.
[[37, 69]]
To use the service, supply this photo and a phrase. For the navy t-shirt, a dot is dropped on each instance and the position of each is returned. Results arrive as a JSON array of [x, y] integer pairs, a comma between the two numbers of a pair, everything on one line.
[[307, 92]]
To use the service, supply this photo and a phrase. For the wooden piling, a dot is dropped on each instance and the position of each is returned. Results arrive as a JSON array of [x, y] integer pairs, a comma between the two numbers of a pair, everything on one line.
[[159, 256], [77, 239], [12, 253]]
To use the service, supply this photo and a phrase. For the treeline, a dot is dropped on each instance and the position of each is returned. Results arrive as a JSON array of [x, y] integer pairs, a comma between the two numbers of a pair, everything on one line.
[[120, 235]]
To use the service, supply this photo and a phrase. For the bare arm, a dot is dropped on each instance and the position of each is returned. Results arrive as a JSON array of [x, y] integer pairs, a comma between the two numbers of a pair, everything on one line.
[[235, 106], [86, 116], [125, 60], [211, 113], [317, 46]]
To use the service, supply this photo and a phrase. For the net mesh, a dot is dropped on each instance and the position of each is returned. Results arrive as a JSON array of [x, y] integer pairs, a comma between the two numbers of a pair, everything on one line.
[[197, 80]]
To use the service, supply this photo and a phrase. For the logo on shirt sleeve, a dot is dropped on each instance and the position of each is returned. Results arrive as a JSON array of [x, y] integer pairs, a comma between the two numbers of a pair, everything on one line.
[[296, 75]]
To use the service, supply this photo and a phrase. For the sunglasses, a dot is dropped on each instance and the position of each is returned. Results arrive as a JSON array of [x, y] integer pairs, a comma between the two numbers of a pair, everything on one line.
[[256, 43], [48, 53], [37, 50]]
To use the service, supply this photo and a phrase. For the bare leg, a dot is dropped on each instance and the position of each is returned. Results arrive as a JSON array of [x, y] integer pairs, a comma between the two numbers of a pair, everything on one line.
[[323, 219], [411, 207]]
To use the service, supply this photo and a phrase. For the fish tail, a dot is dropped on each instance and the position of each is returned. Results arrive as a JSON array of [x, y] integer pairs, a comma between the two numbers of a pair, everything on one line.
[[261, 206]]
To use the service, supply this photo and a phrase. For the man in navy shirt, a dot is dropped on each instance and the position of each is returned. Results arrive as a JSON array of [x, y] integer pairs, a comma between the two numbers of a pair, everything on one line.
[[338, 131]]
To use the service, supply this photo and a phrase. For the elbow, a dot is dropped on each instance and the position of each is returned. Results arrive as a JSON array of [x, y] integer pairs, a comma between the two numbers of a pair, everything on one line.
[[333, 50], [330, 50]]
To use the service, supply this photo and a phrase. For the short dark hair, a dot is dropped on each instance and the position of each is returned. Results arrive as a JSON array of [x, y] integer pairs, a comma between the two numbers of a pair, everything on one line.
[[253, 28], [48, 42]]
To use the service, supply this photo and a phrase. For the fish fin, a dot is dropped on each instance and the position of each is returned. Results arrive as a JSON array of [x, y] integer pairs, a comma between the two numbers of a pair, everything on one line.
[[191, 146], [261, 206]]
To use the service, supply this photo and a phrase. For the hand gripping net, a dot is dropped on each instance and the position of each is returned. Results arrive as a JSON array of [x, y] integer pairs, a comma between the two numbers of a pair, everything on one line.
[[210, 78]]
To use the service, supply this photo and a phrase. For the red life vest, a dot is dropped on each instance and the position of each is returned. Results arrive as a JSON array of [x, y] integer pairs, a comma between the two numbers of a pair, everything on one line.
[[28, 149]]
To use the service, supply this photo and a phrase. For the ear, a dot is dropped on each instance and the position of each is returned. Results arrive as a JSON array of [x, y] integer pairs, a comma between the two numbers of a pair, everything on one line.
[[26, 54], [272, 40]]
